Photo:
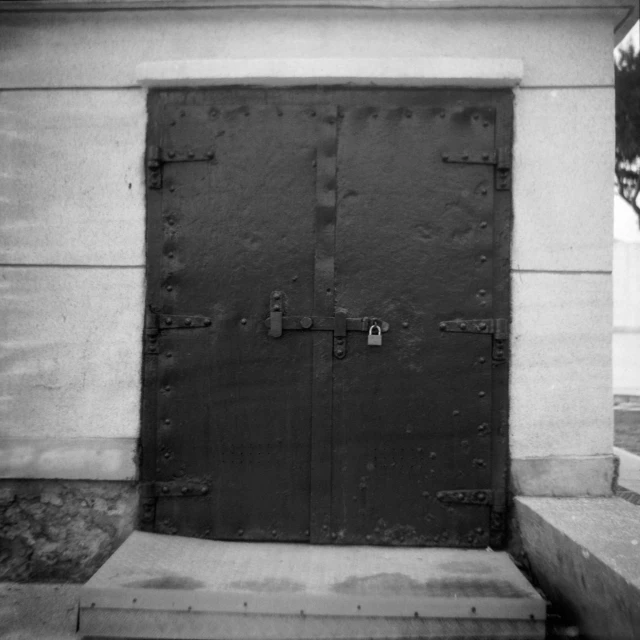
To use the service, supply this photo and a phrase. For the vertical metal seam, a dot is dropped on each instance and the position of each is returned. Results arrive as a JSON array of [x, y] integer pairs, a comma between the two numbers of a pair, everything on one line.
[[323, 305]]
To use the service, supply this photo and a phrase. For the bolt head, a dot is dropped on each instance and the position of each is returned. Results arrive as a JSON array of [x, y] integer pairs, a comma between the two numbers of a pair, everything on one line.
[[405, 325], [243, 321], [187, 321], [207, 322], [276, 307], [483, 326], [168, 321], [463, 326], [443, 326]]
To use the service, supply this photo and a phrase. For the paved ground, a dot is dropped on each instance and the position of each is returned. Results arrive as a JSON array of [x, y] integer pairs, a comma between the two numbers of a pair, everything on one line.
[[38, 611]]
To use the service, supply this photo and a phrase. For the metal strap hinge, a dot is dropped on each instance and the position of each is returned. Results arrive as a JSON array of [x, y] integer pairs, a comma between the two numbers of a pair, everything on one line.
[[157, 156], [500, 158], [497, 327]]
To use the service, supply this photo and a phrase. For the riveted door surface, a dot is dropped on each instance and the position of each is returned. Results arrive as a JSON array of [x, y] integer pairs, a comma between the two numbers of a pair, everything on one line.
[[284, 227]]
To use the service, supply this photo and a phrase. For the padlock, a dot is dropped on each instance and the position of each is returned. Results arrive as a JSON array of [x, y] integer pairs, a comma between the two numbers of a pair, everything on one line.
[[374, 338]]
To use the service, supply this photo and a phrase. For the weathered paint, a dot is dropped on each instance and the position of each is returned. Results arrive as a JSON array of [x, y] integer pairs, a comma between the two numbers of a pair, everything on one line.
[[560, 387], [90, 49], [71, 364], [72, 177], [563, 215]]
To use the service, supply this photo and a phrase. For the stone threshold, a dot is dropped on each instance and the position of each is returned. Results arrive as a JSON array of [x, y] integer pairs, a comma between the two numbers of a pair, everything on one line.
[[585, 554], [175, 587]]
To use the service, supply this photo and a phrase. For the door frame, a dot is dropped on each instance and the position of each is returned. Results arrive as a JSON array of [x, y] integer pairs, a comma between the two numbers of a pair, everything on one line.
[[498, 74]]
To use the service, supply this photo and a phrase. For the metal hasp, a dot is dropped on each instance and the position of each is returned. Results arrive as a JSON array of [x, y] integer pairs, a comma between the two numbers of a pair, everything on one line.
[[500, 157], [497, 327], [277, 322]]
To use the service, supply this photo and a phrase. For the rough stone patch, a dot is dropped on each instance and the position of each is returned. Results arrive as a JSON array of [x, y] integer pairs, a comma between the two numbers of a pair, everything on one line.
[[53, 530]]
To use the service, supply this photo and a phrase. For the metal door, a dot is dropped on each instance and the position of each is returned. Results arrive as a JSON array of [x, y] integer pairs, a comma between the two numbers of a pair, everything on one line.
[[285, 227]]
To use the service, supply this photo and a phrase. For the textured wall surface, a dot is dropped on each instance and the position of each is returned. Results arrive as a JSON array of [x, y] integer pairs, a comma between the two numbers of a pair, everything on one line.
[[72, 264], [62, 530]]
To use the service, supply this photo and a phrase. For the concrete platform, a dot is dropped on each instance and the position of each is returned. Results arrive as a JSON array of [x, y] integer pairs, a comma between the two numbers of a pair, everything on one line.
[[585, 554], [158, 586]]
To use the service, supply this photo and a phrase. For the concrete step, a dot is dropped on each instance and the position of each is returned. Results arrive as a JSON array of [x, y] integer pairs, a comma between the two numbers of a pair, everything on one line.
[[159, 586]]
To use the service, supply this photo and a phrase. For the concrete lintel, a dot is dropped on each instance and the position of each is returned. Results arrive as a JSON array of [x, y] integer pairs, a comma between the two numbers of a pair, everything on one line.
[[476, 72], [69, 458], [563, 476], [585, 553]]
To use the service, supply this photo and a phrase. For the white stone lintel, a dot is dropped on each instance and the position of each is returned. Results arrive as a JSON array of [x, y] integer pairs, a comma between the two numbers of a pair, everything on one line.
[[415, 72]]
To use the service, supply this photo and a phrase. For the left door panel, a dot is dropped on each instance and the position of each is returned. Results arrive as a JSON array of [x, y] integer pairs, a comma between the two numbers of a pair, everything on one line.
[[233, 221]]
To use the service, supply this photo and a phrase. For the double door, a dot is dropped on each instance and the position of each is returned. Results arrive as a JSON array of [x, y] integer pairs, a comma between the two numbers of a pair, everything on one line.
[[325, 350]]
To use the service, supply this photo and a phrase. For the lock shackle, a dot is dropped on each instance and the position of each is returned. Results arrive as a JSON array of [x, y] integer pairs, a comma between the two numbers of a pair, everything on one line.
[[375, 325]]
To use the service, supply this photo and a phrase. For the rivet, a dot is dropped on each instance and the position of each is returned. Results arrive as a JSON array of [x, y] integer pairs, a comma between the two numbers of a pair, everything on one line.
[[165, 489], [187, 321], [169, 287], [306, 532], [171, 222], [445, 156], [482, 360], [171, 254], [334, 536], [485, 156], [463, 326], [339, 352], [274, 532], [167, 421], [203, 490], [167, 456], [168, 321], [185, 489], [243, 321], [443, 326], [240, 533], [483, 224], [191, 154], [172, 189], [168, 354], [171, 154], [465, 155], [405, 325], [481, 394], [483, 258], [276, 307], [276, 296], [484, 191], [207, 322], [210, 155], [167, 388], [483, 326], [306, 322], [482, 292], [456, 412], [433, 455]]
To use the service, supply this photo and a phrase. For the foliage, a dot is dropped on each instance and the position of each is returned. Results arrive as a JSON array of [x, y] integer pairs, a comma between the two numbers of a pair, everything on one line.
[[627, 166]]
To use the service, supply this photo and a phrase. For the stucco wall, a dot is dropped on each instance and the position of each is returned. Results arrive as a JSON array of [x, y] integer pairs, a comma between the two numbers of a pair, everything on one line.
[[72, 237], [626, 318]]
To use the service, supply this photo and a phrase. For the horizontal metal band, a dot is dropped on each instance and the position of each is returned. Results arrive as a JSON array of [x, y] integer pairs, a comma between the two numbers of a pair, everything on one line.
[[313, 323]]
